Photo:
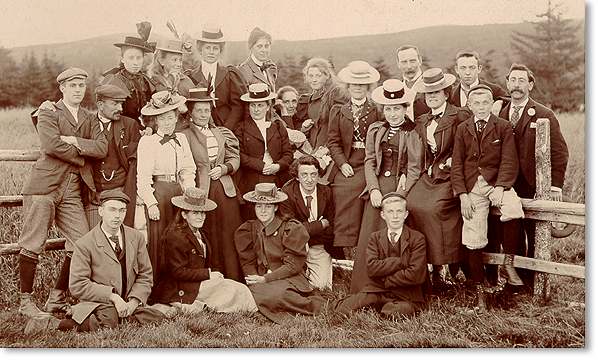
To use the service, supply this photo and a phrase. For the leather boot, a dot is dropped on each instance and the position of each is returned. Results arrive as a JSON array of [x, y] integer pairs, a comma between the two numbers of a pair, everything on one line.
[[27, 306], [41, 323], [510, 271], [481, 301], [57, 302]]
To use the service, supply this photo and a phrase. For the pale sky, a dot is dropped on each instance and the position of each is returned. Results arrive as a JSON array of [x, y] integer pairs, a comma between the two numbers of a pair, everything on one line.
[[31, 22]]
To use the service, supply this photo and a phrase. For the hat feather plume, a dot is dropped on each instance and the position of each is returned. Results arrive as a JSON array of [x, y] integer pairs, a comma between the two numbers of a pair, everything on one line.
[[143, 29], [170, 25]]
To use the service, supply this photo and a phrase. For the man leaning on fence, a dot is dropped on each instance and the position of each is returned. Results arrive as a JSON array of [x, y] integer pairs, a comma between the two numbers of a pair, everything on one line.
[[69, 137]]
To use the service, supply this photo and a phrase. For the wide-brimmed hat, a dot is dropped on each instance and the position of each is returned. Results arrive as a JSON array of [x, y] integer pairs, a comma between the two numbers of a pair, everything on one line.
[[194, 199], [258, 92], [211, 34], [265, 193], [161, 102], [200, 95], [359, 72], [433, 80], [296, 136], [392, 92], [173, 46], [135, 42]]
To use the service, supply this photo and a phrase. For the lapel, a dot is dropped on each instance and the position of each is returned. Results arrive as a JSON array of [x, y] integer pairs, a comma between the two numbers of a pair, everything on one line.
[[369, 107], [489, 126], [130, 253], [403, 239], [200, 151], [504, 112], [270, 132], [102, 242], [67, 113], [190, 237], [299, 199], [471, 127], [256, 70], [380, 134], [117, 129], [347, 113], [253, 130], [384, 242], [525, 119], [446, 120], [221, 143], [321, 200], [220, 72], [197, 75]]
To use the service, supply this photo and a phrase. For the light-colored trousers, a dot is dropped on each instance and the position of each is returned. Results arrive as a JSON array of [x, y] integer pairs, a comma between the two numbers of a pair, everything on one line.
[[319, 267], [475, 230]]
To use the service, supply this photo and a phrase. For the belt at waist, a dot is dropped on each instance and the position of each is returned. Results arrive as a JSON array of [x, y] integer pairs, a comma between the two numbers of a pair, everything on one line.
[[165, 177], [358, 145]]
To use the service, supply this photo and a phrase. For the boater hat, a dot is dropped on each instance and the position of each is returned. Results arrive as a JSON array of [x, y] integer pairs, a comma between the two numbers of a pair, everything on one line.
[[211, 34], [435, 79], [296, 136], [265, 193], [258, 92], [173, 46], [161, 102], [200, 95], [392, 92], [135, 42], [359, 72], [194, 199]]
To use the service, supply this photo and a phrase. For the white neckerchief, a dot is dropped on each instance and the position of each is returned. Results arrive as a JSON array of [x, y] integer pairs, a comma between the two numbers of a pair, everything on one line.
[[313, 210], [73, 110], [398, 236], [104, 120], [263, 125], [523, 105], [464, 94]]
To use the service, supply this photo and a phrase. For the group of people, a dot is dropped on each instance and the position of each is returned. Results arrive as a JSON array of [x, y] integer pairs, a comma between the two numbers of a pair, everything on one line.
[[208, 188]]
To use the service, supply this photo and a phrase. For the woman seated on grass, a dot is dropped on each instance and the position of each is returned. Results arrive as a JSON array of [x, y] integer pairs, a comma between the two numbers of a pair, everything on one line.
[[273, 251], [187, 281]]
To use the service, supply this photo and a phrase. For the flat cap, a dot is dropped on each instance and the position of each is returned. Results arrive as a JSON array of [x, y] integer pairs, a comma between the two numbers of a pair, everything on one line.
[[114, 194], [480, 87], [71, 73], [112, 92], [391, 195]]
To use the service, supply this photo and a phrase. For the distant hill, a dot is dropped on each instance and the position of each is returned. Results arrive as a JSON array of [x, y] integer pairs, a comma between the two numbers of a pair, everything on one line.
[[438, 44]]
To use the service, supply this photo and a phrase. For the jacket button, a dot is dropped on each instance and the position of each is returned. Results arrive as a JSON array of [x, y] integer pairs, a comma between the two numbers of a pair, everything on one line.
[[181, 293]]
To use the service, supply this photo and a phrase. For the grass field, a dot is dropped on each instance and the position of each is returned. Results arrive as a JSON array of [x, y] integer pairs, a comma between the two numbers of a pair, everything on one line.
[[513, 322]]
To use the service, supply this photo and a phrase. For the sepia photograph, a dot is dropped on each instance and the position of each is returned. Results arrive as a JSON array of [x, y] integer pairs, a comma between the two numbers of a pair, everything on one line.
[[293, 174]]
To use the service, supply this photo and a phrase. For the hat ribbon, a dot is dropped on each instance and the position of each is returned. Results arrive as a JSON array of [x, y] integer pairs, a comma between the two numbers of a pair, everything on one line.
[[259, 94], [394, 94], [211, 35]]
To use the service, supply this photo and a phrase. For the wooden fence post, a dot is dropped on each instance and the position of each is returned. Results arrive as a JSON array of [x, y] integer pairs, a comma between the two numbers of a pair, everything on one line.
[[543, 231]]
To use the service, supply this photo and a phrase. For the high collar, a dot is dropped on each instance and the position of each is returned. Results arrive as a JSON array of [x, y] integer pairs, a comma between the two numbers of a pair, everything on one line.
[[273, 226], [256, 61], [486, 119], [359, 102], [439, 110], [523, 104]]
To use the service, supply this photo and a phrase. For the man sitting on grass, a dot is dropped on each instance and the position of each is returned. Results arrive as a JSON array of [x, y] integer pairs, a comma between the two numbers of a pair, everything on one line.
[[396, 265], [111, 275]]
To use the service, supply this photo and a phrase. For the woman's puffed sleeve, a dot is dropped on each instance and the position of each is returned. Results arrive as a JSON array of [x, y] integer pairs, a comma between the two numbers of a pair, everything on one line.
[[244, 244], [231, 151]]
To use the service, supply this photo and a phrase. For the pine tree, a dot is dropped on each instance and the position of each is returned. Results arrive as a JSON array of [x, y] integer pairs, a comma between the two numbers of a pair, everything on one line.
[[50, 68], [31, 83], [382, 68], [556, 56], [8, 79]]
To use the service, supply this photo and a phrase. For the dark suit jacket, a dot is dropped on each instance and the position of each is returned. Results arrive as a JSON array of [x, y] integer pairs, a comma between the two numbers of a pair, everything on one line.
[[229, 87], [525, 139], [340, 131], [126, 138], [185, 267], [444, 136], [317, 107], [58, 158], [251, 145], [252, 74], [294, 207], [498, 93], [402, 275], [495, 158]]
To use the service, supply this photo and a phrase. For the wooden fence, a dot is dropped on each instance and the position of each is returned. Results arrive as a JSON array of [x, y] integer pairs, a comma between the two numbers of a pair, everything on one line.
[[542, 209]]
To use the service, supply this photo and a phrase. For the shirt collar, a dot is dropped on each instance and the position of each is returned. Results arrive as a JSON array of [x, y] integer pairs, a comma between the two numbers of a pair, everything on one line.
[[108, 236], [210, 67], [440, 110], [104, 120], [73, 110], [314, 194], [256, 61], [523, 104], [485, 119], [359, 102], [418, 74], [476, 82], [399, 233]]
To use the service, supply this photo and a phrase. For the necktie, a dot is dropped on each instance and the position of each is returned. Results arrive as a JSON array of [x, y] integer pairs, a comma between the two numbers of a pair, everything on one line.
[[393, 236], [106, 128], [169, 137], [480, 125], [117, 248], [309, 199], [410, 83], [515, 116]]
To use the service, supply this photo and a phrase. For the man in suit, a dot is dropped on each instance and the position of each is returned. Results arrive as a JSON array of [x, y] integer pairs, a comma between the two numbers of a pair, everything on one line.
[[119, 168], [522, 112], [484, 169], [259, 68], [409, 62], [226, 83], [468, 67], [69, 138], [111, 275], [311, 203], [396, 265]]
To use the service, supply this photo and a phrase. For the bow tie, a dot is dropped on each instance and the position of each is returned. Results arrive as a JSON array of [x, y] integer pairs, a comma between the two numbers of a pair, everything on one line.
[[169, 137], [266, 65], [437, 116]]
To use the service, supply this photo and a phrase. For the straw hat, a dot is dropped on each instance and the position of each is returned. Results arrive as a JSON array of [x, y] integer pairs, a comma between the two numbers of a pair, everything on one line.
[[211, 34], [258, 92], [392, 92], [161, 102], [194, 199], [265, 193], [296, 136], [173, 46], [200, 95], [359, 72], [435, 79]]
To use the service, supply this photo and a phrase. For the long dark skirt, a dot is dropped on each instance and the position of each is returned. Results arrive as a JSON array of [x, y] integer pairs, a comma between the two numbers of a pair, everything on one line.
[[280, 298], [163, 191], [220, 227], [348, 207], [435, 212], [370, 223]]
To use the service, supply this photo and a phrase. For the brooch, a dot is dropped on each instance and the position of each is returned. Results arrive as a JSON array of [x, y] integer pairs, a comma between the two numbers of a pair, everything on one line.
[[193, 251], [531, 111]]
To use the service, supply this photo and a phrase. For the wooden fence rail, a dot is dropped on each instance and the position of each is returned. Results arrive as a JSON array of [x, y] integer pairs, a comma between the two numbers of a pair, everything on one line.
[[540, 208]]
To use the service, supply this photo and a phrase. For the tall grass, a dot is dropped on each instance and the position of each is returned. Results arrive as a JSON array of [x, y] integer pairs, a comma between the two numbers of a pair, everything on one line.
[[514, 322]]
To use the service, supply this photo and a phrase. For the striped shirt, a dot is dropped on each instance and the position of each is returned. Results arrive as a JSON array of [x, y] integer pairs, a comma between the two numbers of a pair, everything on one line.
[[211, 143]]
